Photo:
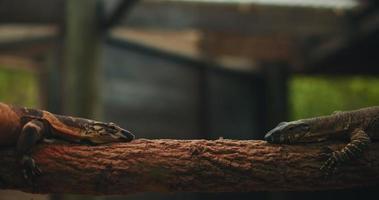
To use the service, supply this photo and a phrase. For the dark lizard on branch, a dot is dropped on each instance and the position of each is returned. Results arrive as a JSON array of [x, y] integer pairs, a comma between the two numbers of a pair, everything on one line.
[[24, 128], [358, 126]]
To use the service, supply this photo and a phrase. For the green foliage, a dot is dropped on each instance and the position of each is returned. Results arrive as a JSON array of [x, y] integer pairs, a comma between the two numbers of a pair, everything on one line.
[[18, 87], [321, 95]]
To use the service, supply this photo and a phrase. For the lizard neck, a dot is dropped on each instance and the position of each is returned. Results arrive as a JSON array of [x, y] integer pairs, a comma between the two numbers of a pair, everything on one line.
[[326, 125], [64, 127]]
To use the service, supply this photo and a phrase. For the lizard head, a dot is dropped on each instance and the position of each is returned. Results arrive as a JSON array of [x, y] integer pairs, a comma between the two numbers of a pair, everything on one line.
[[288, 132], [100, 133]]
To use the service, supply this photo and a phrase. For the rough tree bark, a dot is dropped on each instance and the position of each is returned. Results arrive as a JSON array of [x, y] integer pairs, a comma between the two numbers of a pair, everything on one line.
[[184, 165]]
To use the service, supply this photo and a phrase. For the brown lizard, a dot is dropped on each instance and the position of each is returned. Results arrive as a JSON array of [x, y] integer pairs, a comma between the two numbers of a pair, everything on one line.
[[25, 127], [358, 126]]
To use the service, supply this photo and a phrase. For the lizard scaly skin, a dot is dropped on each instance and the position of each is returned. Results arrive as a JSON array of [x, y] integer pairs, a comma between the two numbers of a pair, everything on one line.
[[24, 128], [360, 127]]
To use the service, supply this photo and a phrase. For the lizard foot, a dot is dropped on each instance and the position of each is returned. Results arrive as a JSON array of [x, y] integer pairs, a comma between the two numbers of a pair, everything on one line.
[[336, 159], [30, 169], [325, 153], [359, 142], [331, 165]]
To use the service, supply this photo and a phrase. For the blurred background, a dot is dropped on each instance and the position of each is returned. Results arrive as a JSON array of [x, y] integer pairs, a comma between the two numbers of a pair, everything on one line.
[[190, 69]]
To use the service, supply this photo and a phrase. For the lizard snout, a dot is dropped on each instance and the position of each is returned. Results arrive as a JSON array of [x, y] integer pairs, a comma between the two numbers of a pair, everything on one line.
[[127, 135], [276, 134], [272, 136], [269, 138]]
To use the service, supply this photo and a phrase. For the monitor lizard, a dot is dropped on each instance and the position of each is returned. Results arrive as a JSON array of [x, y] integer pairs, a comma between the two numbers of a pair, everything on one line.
[[25, 127], [359, 127]]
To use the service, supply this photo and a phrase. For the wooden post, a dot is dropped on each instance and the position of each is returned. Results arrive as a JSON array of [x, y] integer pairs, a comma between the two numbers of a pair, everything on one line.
[[81, 77], [276, 93], [51, 78]]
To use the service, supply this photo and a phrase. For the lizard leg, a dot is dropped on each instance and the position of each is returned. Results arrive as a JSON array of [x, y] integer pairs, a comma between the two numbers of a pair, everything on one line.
[[31, 133], [359, 141]]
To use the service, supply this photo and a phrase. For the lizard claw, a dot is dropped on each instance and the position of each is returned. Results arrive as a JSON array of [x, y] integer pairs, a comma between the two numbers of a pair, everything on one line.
[[30, 169]]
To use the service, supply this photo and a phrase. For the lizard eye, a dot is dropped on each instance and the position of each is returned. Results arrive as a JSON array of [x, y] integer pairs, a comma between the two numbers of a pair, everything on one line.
[[305, 127], [300, 127]]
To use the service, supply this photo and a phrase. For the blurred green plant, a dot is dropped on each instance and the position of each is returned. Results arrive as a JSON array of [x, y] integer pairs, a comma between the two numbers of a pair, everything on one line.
[[19, 87], [321, 95]]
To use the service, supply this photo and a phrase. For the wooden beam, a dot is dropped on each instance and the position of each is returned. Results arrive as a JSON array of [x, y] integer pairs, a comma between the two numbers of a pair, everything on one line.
[[34, 47], [185, 61], [248, 19], [254, 47], [351, 53], [36, 11]]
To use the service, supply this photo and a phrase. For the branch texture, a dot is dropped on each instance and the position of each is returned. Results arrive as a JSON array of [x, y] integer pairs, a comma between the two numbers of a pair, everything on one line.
[[185, 165]]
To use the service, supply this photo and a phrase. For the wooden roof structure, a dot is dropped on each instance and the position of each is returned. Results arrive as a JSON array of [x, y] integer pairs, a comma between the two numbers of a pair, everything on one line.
[[310, 40]]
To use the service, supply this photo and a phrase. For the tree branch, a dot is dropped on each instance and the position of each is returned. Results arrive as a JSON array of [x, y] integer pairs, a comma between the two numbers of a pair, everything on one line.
[[184, 165]]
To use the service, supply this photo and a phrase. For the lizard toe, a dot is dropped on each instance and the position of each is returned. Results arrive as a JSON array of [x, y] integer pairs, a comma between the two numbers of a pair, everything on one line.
[[329, 167], [36, 171], [30, 169]]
